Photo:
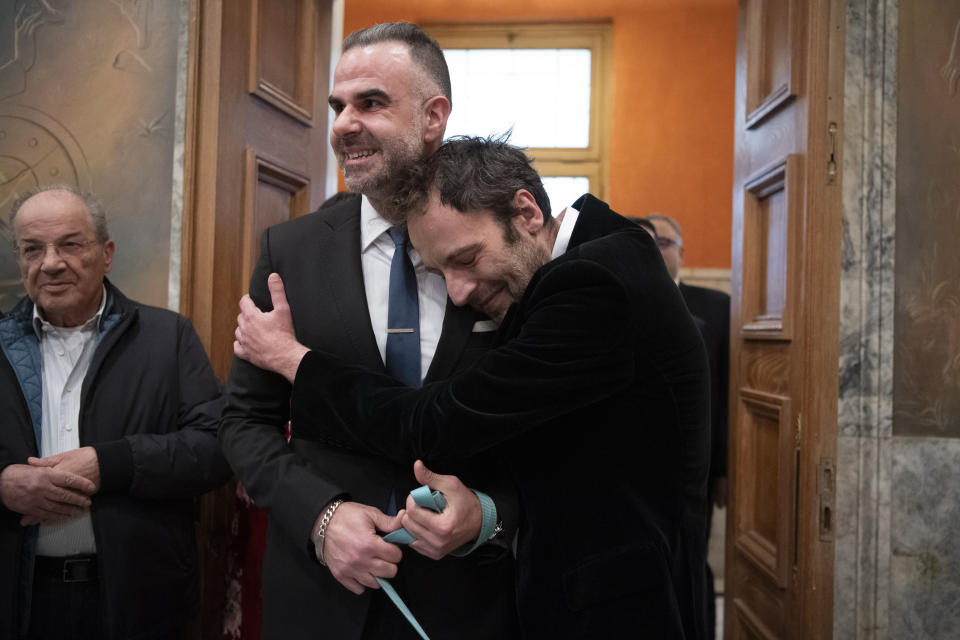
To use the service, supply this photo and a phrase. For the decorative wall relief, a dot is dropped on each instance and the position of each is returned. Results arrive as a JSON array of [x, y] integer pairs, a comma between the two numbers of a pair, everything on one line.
[[927, 320], [37, 149], [87, 98], [951, 70]]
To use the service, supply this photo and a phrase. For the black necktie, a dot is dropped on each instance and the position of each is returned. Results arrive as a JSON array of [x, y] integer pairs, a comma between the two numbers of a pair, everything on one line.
[[403, 315], [403, 322]]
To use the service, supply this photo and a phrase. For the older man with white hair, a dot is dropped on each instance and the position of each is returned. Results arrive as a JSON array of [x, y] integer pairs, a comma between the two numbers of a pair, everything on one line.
[[109, 411]]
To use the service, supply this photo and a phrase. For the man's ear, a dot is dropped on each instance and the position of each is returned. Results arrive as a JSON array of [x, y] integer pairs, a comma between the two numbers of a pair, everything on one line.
[[529, 217], [436, 110], [108, 250]]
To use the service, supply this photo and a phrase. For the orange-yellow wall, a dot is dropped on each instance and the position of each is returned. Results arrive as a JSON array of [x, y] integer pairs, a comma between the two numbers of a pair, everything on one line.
[[671, 135]]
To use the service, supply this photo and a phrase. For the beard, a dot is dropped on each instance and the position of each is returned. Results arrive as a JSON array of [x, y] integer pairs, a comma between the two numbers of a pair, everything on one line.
[[526, 257], [398, 155]]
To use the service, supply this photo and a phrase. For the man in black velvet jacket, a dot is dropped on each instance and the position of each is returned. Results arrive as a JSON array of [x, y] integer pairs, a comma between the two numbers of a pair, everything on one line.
[[596, 395]]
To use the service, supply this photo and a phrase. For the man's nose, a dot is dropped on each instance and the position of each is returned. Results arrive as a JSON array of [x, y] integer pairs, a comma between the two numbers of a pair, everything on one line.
[[52, 260], [459, 288], [346, 122]]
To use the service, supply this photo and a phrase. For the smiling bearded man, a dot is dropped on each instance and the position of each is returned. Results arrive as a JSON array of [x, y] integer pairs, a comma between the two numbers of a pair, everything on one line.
[[390, 103]]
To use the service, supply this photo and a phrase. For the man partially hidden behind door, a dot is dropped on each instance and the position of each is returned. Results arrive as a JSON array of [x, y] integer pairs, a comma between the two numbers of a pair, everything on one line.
[[711, 308]]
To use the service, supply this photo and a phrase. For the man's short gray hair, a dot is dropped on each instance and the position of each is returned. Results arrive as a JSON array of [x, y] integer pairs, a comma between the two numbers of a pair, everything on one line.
[[670, 221], [424, 50], [94, 208]]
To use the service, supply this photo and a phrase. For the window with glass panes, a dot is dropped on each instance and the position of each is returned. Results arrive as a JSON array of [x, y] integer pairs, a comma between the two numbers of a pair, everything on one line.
[[546, 84]]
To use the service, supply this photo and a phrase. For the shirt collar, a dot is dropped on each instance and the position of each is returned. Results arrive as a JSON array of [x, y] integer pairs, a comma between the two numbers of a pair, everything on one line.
[[41, 326], [566, 230], [371, 224]]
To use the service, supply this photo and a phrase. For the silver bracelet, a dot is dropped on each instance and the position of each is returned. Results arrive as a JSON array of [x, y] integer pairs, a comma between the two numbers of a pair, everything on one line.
[[321, 533]]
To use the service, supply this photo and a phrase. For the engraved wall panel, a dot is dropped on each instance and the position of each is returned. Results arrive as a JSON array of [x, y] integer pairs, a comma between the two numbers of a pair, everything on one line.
[[765, 449], [773, 205], [773, 72], [88, 98], [282, 55], [926, 361], [272, 194]]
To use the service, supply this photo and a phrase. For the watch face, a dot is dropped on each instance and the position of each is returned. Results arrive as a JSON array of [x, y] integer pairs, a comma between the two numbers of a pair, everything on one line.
[[36, 150]]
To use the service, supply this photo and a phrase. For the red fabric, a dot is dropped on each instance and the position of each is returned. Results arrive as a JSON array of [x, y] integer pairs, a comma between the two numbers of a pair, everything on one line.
[[243, 610]]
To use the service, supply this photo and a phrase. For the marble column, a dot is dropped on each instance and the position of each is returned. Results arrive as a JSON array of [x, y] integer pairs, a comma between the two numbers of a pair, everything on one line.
[[861, 582], [897, 568]]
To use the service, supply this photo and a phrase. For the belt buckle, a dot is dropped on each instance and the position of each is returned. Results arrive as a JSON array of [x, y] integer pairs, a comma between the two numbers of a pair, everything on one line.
[[70, 563]]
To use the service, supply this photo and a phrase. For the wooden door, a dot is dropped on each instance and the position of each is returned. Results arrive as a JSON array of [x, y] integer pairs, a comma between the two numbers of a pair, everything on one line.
[[785, 282], [259, 142], [256, 134]]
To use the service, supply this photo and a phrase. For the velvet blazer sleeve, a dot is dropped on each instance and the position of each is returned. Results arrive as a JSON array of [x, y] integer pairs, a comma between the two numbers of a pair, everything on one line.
[[574, 348]]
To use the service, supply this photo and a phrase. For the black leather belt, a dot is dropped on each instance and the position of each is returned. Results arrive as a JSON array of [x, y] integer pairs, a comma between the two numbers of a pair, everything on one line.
[[69, 569]]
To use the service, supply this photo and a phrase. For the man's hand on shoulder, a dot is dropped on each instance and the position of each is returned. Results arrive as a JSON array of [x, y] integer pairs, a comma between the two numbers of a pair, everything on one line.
[[267, 340], [438, 534], [353, 550], [44, 493]]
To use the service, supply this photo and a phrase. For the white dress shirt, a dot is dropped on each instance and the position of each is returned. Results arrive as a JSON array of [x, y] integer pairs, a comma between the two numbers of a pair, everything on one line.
[[376, 254], [66, 354], [566, 230]]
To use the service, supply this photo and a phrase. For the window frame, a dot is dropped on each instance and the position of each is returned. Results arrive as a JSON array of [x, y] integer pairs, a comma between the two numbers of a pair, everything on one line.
[[591, 161]]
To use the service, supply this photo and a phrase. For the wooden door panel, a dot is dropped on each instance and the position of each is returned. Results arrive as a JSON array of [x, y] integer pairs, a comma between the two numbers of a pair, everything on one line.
[[255, 156], [765, 512], [774, 63], [273, 193], [772, 216], [261, 129], [748, 625], [785, 272], [283, 55], [765, 366]]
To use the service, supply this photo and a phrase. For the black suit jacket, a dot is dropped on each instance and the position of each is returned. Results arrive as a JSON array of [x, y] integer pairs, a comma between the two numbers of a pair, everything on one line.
[[598, 397], [713, 307], [318, 257]]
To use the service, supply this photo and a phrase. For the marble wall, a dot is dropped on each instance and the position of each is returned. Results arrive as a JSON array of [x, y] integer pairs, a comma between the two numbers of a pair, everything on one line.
[[89, 97], [926, 388], [861, 585], [897, 570]]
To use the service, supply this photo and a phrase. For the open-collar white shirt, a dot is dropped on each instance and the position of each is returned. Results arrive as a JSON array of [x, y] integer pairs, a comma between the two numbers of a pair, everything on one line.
[[66, 354], [565, 232]]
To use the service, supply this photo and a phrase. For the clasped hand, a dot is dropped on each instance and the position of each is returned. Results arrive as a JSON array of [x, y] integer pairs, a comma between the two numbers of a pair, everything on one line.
[[356, 554], [51, 489]]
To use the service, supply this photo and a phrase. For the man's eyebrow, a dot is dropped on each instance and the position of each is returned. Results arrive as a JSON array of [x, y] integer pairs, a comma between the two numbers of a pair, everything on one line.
[[458, 253], [380, 94], [373, 93], [66, 236]]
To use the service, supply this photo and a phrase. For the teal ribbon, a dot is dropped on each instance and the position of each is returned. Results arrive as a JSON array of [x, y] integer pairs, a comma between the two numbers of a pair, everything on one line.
[[428, 498], [402, 606]]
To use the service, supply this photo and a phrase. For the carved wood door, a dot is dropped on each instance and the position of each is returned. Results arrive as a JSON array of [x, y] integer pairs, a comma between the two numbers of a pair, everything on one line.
[[259, 141], [256, 148], [785, 281]]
